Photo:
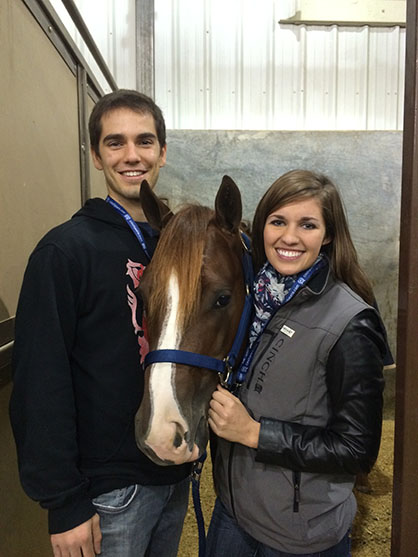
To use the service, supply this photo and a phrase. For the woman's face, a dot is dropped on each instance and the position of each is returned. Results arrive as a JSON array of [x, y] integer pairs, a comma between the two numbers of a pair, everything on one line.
[[293, 236]]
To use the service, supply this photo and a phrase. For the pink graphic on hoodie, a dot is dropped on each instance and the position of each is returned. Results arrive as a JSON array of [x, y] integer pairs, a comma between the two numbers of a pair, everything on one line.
[[135, 272]]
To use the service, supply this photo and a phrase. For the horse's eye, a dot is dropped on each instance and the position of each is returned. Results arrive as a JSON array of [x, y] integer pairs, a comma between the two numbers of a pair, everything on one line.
[[223, 301]]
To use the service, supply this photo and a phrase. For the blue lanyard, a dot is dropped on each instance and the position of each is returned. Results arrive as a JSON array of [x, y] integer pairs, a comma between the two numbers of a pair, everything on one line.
[[249, 354], [132, 224]]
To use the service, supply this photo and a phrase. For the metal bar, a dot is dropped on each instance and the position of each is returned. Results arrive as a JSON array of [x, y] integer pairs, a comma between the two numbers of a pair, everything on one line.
[[88, 39], [145, 57], [6, 363], [83, 134], [326, 23], [405, 479], [5, 350], [49, 21], [7, 330]]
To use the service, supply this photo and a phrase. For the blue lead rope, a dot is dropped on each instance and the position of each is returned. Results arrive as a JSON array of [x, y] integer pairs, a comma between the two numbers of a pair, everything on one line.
[[227, 382], [195, 476]]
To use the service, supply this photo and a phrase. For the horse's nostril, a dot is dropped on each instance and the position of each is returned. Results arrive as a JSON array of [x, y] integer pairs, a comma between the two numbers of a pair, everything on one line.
[[179, 435], [177, 440]]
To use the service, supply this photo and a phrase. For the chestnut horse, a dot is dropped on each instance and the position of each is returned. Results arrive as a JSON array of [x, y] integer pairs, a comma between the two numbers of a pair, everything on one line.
[[193, 292]]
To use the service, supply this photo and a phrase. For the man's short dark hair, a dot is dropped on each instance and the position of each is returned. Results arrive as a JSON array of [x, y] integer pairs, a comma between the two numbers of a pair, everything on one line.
[[125, 98]]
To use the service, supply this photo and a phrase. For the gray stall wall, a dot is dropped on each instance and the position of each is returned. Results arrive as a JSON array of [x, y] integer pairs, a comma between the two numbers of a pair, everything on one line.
[[366, 166]]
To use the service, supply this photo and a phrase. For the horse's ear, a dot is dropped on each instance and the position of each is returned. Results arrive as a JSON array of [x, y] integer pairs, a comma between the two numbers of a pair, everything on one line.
[[155, 210], [228, 205]]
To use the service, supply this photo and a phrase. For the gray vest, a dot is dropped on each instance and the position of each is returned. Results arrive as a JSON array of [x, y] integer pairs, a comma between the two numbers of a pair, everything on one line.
[[287, 381]]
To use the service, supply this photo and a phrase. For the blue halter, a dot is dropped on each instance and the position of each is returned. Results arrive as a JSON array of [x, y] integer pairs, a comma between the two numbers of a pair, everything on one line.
[[223, 367]]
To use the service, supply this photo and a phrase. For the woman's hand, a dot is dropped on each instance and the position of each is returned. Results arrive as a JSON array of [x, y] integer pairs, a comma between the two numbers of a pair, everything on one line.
[[230, 420]]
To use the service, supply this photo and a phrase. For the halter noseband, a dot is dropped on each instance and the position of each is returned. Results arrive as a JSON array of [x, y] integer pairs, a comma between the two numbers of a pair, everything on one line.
[[223, 367]]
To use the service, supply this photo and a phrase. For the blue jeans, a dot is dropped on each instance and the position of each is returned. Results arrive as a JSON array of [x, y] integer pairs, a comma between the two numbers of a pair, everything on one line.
[[226, 539], [142, 520]]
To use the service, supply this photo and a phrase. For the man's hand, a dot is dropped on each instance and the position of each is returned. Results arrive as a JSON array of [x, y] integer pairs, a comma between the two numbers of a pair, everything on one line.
[[82, 541], [230, 420]]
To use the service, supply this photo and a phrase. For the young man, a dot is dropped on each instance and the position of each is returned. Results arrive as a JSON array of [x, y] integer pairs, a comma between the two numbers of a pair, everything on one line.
[[78, 351]]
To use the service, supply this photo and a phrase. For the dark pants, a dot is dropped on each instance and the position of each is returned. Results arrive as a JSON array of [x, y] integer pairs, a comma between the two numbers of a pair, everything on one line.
[[227, 539]]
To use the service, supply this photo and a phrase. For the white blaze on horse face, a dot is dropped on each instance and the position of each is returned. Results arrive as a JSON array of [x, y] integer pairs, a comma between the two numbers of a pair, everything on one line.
[[168, 425]]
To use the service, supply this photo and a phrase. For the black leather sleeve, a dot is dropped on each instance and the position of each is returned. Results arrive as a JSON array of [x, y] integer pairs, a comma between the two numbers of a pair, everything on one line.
[[350, 442]]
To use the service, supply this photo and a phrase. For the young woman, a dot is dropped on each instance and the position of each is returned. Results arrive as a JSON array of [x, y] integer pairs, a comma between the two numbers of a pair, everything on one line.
[[308, 417]]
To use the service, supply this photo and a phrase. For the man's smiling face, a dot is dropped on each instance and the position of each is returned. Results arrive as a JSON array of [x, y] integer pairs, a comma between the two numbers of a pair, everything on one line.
[[129, 152]]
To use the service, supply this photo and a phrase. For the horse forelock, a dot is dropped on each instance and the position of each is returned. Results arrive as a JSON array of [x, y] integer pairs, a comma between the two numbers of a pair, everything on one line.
[[180, 251]]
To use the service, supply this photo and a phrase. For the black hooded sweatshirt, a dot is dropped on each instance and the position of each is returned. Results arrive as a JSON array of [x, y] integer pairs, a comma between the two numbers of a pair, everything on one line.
[[77, 373]]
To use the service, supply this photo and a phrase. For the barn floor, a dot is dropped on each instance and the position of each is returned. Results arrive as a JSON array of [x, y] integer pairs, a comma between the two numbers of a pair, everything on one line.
[[371, 530]]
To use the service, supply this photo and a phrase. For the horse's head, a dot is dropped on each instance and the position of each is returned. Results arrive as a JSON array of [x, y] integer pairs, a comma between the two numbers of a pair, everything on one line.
[[193, 292]]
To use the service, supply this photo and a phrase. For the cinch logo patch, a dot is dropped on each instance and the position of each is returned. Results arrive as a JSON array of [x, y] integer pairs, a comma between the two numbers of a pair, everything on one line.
[[287, 331]]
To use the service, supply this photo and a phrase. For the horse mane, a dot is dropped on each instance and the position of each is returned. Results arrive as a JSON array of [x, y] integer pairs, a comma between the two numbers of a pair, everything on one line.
[[180, 251]]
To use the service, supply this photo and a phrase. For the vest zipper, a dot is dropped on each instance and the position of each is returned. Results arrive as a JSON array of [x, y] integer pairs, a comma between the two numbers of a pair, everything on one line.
[[296, 491], [231, 497]]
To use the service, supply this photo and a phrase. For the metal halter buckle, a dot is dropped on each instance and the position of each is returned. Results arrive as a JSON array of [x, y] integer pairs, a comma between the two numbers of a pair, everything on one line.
[[226, 374]]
